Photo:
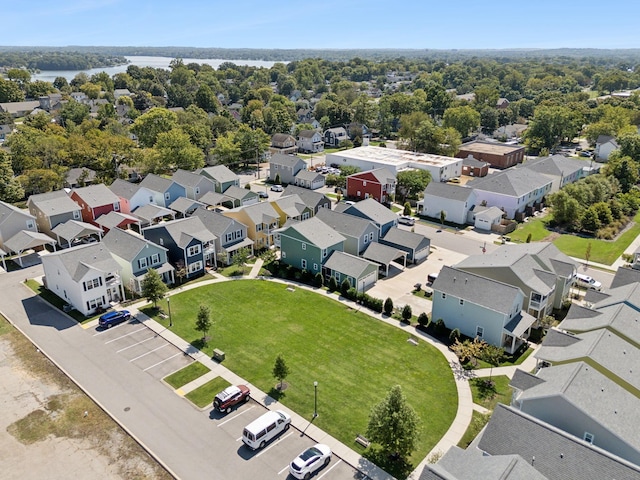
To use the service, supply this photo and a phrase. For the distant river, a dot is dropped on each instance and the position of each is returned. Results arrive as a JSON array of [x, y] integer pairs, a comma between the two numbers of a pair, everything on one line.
[[142, 61]]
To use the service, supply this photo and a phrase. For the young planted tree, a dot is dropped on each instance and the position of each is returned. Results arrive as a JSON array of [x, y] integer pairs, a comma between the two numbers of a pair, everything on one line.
[[407, 209], [388, 306], [153, 288], [394, 425], [280, 370], [203, 321], [492, 355], [443, 216], [240, 258], [407, 313]]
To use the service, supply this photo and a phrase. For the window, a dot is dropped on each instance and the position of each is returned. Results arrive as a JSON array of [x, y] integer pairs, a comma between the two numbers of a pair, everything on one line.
[[193, 250], [76, 214], [197, 190], [588, 437], [364, 184], [161, 241], [305, 215], [304, 246], [283, 254], [95, 303], [324, 252], [271, 427], [303, 263], [142, 262], [167, 196], [155, 258], [461, 301], [371, 237], [116, 206], [315, 267], [30, 224], [366, 239], [479, 332], [443, 295], [90, 284], [195, 267]]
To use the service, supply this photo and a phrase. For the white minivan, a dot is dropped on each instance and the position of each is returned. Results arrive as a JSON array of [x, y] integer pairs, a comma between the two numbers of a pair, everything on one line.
[[588, 282], [261, 430]]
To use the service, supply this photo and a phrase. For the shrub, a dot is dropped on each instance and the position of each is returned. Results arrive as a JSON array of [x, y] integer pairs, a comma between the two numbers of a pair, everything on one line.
[[407, 313], [247, 186], [423, 319], [375, 304], [454, 335], [333, 284], [318, 280], [439, 326], [306, 276], [388, 306], [345, 286], [277, 179], [352, 294]]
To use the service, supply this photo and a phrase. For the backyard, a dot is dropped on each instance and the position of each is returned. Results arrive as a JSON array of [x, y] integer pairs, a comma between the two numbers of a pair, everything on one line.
[[354, 358]]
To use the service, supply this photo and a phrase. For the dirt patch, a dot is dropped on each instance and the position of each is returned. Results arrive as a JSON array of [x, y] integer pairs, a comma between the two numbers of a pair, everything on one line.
[[551, 237], [51, 429]]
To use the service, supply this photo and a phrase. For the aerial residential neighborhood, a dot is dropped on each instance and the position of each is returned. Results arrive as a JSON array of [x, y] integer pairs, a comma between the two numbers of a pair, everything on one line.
[[373, 264]]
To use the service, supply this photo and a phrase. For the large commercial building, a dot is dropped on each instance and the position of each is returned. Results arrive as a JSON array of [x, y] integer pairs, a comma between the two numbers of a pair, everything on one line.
[[368, 158], [498, 155]]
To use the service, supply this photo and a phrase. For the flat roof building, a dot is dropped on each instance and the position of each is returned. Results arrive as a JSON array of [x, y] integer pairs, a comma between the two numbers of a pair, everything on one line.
[[499, 155]]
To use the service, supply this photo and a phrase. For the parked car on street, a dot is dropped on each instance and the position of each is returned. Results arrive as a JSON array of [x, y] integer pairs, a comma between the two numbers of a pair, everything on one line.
[[309, 461], [262, 194], [277, 188], [588, 282], [231, 396], [406, 220], [110, 319]]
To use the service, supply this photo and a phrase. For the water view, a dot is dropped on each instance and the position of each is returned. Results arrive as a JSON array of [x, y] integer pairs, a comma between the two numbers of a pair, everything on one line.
[[143, 61]]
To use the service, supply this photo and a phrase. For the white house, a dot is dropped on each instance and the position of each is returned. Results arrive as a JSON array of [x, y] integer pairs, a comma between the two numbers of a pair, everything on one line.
[[86, 277], [605, 144], [454, 200]]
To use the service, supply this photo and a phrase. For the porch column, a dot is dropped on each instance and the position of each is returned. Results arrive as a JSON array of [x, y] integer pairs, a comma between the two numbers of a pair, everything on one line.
[[513, 343]]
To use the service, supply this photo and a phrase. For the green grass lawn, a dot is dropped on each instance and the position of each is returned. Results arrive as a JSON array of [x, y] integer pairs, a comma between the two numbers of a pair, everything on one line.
[[478, 421], [203, 395], [537, 227], [508, 360], [489, 397], [186, 375], [354, 358]]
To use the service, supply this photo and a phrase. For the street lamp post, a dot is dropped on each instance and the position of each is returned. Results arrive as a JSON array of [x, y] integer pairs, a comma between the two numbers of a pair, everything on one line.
[[315, 399], [169, 307]]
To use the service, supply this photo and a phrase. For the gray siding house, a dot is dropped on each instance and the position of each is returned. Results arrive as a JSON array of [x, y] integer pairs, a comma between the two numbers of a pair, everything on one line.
[[286, 167], [14, 220], [358, 232], [52, 209]]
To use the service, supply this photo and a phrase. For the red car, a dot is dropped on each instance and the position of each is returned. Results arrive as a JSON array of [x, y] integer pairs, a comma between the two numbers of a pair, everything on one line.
[[230, 397]]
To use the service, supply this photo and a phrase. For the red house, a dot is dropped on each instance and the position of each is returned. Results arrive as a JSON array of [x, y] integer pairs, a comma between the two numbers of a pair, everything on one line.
[[95, 200], [377, 184]]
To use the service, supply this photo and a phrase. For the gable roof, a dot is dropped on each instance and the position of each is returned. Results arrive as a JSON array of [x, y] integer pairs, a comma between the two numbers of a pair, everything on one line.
[[448, 191], [152, 211], [258, 213], [309, 176], [214, 198], [96, 195], [286, 160], [73, 175], [77, 261], [408, 239], [476, 289], [471, 161], [7, 210], [374, 211], [291, 205], [184, 204], [343, 223], [348, 264], [625, 276], [513, 182], [184, 230], [53, 203], [281, 137], [156, 183], [126, 244], [124, 189], [74, 229], [238, 193], [556, 165], [382, 254], [221, 173], [307, 133], [188, 179], [115, 219], [316, 232], [215, 222], [310, 198], [558, 455], [382, 175]]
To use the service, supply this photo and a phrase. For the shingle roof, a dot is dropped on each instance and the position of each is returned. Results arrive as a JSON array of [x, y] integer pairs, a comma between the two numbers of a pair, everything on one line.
[[214, 221], [74, 229], [317, 232], [7, 210], [488, 293], [308, 175], [373, 210], [280, 137], [54, 203], [309, 197], [291, 205], [188, 179], [408, 239], [513, 182], [557, 165], [347, 264], [151, 211], [448, 191], [307, 133], [238, 193], [156, 183], [287, 160], [214, 198], [262, 212], [625, 276], [79, 260], [126, 244], [382, 175], [522, 380], [115, 219], [471, 161], [184, 230], [26, 239], [96, 195], [73, 175], [558, 455], [220, 173], [184, 204], [124, 189], [382, 254], [343, 223]]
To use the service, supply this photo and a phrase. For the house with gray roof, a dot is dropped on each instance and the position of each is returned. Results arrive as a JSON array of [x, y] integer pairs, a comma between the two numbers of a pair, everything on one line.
[[79, 177], [309, 179], [358, 232], [385, 257], [481, 307], [231, 235], [165, 188], [516, 191], [359, 272], [285, 167], [261, 220], [459, 464], [151, 214], [214, 199], [14, 220], [333, 136], [240, 197], [556, 454], [560, 169], [291, 207], [95, 201], [582, 401], [605, 145], [136, 255], [19, 109], [113, 220], [194, 185], [454, 200], [184, 206], [626, 275], [133, 195], [52, 209], [283, 143], [376, 212], [87, 277], [543, 273], [310, 141], [416, 245], [307, 245], [189, 243], [314, 200], [221, 176]]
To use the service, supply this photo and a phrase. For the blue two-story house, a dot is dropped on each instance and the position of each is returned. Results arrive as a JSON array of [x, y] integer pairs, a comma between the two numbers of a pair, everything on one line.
[[168, 189]]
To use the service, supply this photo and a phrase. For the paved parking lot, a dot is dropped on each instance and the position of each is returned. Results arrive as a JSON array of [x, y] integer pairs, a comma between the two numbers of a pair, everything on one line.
[[273, 460], [143, 347]]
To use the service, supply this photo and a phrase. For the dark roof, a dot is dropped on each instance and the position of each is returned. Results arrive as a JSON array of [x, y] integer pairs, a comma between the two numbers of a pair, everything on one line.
[[156, 183], [307, 133], [405, 238], [215, 222], [524, 380], [374, 211], [347, 264], [554, 453], [184, 230], [124, 189], [470, 161], [189, 179], [382, 254], [73, 175], [126, 244]]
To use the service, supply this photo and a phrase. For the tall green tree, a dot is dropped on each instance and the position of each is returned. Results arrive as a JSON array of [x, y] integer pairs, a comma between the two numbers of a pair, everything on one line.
[[175, 150], [394, 424], [411, 183], [464, 119], [624, 169], [10, 188], [152, 287], [149, 125], [203, 321]]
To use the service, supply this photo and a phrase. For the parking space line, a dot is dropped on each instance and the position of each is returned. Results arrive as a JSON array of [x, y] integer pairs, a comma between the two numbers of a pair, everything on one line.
[[332, 467], [283, 470], [131, 322], [234, 417], [162, 361], [145, 354], [274, 444], [126, 335], [136, 344]]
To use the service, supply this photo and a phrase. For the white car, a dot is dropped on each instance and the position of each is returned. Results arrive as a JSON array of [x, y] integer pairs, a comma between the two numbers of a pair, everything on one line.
[[588, 282], [406, 220], [312, 459], [277, 188]]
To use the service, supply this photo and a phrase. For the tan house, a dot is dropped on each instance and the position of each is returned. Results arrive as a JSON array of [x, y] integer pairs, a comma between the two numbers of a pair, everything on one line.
[[261, 220]]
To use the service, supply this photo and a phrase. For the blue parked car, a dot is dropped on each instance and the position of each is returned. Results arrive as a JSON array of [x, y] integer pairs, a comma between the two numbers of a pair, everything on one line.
[[110, 319]]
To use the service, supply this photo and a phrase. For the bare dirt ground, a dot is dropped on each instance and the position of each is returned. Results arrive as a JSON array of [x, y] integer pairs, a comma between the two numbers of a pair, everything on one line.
[[50, 430]]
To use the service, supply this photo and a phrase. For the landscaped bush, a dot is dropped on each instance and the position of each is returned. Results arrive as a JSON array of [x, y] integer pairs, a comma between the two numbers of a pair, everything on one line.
[[333, 284], [318, 280], [388, 306], [352, 294], [344, 287], [423, 320], [439, 327], [454, 335], [407, 313]]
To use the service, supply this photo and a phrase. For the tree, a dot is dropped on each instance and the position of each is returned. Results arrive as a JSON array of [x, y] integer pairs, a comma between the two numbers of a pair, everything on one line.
[[10, 92], [411, 183], [394, 424], [175, 150], [344, 287], [280, 370], [624, 169], [407, 313], [492, 355], [468, 350], [203, 321], [74, 112], [423, 319], [240, 258], [388, 306], [464, 119], [227, 151], [406, 210], [10, 188], [152, 287], [149, 125], [443, 216], [206, 99]]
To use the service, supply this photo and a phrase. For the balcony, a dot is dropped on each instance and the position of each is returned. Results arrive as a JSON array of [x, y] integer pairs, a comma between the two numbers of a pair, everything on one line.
[[112, 279]]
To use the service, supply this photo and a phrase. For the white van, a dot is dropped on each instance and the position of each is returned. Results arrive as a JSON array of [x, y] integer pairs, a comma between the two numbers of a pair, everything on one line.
[[588, 282], [261, 430]]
